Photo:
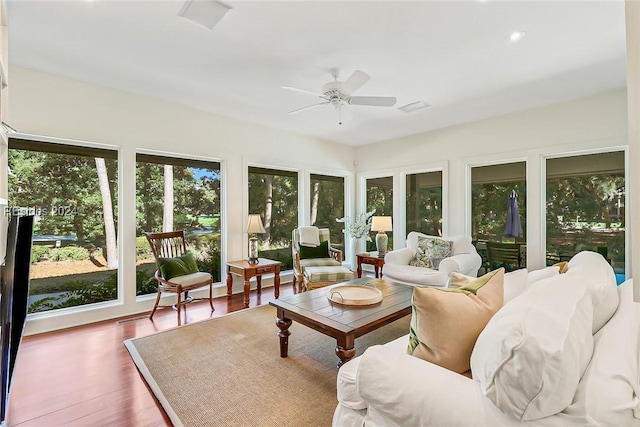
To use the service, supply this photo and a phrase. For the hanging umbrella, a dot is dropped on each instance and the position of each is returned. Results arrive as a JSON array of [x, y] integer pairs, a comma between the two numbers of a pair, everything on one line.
[[513, 227]]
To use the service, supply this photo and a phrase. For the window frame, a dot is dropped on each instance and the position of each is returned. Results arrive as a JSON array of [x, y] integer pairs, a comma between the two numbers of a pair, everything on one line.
[[121, 292], [628, 196], [223, 208]]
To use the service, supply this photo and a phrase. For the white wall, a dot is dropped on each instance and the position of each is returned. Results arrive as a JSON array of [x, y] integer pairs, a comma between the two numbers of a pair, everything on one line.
[[53, 106], [588, 124], [43, 104]]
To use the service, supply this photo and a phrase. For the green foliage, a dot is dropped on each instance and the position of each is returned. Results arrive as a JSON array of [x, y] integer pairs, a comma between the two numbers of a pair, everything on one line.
[[586, 213], [143, 249], [330, 206], [424, 204], [489, 208], [78, 292], [52, 180], [196, 200], [39, 253], [277, 194], [43, 304], [146, 283], [380, 199], [209, 261], [75, 253]]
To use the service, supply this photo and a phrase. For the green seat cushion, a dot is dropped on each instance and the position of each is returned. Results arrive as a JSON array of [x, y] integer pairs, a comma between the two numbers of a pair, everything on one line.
[[178, 266], [320, 251]]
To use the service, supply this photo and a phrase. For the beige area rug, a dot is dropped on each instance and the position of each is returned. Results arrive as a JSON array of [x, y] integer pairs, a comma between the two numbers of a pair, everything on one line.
[[228, 371]]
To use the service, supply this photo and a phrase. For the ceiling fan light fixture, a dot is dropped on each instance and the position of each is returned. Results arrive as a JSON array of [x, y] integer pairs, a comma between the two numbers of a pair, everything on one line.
[[206, 13], [414, 106]]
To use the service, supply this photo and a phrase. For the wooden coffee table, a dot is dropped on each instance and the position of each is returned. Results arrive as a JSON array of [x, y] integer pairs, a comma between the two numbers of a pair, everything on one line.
[[342, 322]]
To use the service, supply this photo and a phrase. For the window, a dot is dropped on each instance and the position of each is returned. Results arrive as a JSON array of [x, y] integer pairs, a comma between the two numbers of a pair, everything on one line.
[[424, 203], [586, 207], [274, 195], [177, 194], [73, 193], [380, 198], [494, 188], [327, 204]]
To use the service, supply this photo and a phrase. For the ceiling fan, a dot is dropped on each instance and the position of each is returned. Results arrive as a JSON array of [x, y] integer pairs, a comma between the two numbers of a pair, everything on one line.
[[339, 94]]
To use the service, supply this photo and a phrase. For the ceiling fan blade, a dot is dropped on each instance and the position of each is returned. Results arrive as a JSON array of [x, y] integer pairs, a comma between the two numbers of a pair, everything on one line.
[[375, 101], [295, 89], [308, 107], [354, 82]]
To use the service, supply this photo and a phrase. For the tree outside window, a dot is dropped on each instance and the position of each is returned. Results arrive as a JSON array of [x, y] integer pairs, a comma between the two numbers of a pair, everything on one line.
[[274, 195], [73, 192], [491, 188], [380, 198], [177, 194], [585, 202], [327, 204], [424, 203]]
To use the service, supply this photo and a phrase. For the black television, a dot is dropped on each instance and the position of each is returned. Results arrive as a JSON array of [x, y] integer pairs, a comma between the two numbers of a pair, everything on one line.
[[14, 295]]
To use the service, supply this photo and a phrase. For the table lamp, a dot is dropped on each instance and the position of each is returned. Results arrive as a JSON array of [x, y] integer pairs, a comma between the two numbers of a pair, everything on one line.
[[254, 226], [381, 224]]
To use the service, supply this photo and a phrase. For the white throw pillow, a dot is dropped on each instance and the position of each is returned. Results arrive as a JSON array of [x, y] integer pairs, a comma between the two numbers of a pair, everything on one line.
[[531, 355], [543, 273], [309, 236], [515, 283], [603, 284]]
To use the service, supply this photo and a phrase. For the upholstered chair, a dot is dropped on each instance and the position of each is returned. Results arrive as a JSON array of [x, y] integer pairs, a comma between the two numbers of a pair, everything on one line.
[[315, 262]]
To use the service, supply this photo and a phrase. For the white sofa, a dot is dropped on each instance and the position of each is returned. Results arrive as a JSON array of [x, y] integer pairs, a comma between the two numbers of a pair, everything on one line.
[[598, 385], [464, 259]]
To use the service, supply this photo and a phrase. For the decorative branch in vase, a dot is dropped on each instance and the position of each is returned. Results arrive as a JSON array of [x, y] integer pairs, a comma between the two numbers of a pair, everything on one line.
[[359, 227]]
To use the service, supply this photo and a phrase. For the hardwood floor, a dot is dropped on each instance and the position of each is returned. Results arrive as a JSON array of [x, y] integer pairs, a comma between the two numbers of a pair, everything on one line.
[[84, 376]]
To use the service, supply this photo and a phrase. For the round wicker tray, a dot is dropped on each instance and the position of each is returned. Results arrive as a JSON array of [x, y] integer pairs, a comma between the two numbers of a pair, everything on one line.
[[355, 295]]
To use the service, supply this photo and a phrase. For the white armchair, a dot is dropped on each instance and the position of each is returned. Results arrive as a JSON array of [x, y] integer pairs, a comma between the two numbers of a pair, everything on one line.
[[465, 260]]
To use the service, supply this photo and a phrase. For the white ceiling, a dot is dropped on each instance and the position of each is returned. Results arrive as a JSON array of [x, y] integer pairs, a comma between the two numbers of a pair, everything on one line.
[[453, 55]]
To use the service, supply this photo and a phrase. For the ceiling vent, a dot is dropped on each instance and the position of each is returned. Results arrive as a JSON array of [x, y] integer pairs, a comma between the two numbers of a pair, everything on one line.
[[204, 12], [414, 106]]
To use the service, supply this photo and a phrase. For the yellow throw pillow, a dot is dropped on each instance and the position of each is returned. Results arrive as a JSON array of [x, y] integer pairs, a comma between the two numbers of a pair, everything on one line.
[[446, 322], [563, 266]]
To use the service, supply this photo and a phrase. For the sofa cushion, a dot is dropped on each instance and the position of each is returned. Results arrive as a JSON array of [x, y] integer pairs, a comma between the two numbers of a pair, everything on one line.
[[446, 321], [430, 251], [531, 355], [515, 283], [318, 262], [543, 273], [327, 273], [603, 284], [416, 276], [609, 388]]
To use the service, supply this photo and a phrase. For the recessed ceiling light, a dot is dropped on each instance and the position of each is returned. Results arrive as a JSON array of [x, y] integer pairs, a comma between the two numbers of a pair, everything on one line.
[[414, 106], [516, 35], [204, 12]]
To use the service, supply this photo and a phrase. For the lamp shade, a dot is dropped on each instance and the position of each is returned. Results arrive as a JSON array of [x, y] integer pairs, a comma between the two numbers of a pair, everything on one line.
[[254, 225], [381, 223]]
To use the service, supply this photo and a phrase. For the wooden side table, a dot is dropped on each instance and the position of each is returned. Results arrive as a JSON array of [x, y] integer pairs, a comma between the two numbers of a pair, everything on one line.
[[246, 270], [370, 258]]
